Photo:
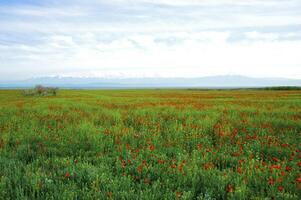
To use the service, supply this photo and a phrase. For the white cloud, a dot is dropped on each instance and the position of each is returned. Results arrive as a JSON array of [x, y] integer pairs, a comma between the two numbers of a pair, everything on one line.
[[254, 35], [130, 37]]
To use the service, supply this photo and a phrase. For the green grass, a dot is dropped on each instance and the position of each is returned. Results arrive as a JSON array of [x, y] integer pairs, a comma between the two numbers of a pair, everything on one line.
[[151, 144]]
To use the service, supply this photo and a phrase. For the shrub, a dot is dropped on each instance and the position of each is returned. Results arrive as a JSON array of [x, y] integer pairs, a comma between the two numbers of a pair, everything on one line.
[[40, 90]]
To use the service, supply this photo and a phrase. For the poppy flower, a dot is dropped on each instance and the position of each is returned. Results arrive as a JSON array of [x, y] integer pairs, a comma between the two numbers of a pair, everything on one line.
[[208, 166], [275, 167], [161, 161], [230, 188], [181, 167], [179, 194], [139, 169], [239, 170], [236, 154], [271, 181], [288, 168], [173, 166], [280, 188], [151, 147], [110, 194], [67, 175]]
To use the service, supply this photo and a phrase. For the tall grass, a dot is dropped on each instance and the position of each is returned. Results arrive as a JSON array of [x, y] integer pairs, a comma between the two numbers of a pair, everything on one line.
[[151, 144]]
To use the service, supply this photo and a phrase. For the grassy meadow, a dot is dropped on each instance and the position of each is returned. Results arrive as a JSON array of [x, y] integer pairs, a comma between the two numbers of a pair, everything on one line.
[[151, 144]]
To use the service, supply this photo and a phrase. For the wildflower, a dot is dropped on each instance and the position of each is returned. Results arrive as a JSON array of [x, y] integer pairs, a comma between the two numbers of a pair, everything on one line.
[[230, 188], [181, 167], [161, 161], [208, 166], [173, 166], [275, 167], [199, 146], [271, 181], [151, 147], [67, 175], [123, 164], [275, 159], [241, 161], [146, 181], [110, 194], [280, 188], [298, 179], [236, 154], [178, 194], [139, 169], [288, 168], [285, 145], [239, 170]]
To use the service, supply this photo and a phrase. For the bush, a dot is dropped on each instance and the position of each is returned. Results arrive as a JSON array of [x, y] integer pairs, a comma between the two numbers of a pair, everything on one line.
[[40, 90]]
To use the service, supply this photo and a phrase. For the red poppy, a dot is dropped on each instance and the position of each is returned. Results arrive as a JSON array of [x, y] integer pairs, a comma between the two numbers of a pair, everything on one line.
[[151, 147], [235, 154], [230, 188], [271, 181], [288, 168], [285, 145], [179, 194], [139, 169], [239, 170], [275, 167], [181, 167], [67, 175], [208, 166], [110, 194], [280, 188], [161, 161], [173, 166]]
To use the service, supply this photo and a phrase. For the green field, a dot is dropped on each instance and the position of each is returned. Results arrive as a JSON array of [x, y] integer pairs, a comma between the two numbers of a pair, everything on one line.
[[151, 144]]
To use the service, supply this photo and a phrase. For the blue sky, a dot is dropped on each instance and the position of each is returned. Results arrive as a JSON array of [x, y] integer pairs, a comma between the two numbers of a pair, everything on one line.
[[166, 38]]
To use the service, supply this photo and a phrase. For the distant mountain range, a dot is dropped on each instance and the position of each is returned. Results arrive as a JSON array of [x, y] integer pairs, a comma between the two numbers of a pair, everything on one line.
[[202, 82]]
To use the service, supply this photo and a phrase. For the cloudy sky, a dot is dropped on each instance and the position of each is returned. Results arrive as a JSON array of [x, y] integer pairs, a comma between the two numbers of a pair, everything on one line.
[[166, 38]]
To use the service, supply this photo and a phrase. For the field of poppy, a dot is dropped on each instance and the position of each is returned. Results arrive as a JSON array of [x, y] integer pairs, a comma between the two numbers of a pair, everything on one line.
[[151, 144]]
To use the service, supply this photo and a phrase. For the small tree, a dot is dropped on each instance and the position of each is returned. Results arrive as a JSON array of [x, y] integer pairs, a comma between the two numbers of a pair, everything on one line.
[[40, 90]]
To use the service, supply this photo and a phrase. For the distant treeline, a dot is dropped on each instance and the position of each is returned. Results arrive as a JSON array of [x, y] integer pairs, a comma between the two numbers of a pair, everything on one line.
[[281, 88], [40, 90], [249, 88]]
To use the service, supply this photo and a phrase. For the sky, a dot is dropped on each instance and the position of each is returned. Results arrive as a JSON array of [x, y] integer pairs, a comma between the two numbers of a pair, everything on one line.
[[150, 38]]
